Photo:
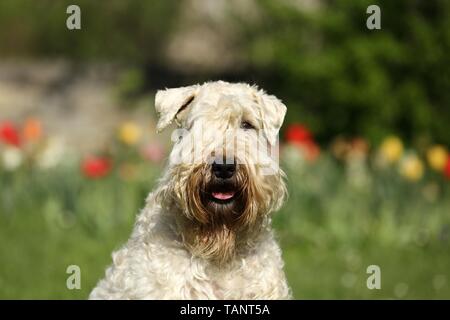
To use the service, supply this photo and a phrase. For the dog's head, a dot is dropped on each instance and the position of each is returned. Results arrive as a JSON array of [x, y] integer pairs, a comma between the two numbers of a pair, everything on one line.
[[223, 172]]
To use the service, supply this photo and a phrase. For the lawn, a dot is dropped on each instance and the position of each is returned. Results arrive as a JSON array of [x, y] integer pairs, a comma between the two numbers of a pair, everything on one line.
[[335, 224]]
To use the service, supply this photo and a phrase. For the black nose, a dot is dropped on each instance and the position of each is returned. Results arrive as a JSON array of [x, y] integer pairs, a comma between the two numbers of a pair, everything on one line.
[[224, 170]]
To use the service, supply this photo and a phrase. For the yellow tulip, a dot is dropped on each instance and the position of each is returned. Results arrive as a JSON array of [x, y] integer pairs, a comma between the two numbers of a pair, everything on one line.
[[129, 133], [391, 149], [411, 167], [437, 157]]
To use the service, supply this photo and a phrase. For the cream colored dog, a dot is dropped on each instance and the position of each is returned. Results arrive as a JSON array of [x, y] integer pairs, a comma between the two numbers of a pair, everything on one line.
[[205, 232]]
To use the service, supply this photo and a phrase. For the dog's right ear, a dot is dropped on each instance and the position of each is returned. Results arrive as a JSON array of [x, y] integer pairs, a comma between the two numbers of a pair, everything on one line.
[[170, 103]]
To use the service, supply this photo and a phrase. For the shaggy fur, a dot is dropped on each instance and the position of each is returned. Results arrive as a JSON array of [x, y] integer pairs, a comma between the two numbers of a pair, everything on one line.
[[187, 244]]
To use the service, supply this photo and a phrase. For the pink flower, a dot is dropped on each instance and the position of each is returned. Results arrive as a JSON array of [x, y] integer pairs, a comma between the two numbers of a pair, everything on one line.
[[153, 152]]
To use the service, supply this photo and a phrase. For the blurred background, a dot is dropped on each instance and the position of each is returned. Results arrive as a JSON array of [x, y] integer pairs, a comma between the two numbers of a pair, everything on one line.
[[364, 145]]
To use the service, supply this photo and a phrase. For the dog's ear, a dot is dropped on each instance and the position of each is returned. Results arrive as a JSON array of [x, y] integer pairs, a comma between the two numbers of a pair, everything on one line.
[[170, 103], [272, 114]]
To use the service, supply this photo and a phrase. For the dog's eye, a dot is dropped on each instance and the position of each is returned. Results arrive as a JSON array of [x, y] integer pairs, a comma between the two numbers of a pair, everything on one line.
[[247, 125]]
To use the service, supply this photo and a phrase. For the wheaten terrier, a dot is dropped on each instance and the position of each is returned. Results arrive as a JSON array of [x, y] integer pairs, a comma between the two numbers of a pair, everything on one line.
[[205, 232]]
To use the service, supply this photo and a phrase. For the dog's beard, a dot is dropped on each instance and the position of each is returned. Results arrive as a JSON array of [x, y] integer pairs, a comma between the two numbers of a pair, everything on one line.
[[220, 213]]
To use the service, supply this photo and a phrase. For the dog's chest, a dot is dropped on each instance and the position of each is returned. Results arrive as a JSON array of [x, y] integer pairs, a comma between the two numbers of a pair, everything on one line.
[[206, 282], [245, 279]]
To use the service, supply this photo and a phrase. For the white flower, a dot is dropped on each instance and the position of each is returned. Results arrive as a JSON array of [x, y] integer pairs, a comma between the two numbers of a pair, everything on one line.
[[12, 158], [52, 154]]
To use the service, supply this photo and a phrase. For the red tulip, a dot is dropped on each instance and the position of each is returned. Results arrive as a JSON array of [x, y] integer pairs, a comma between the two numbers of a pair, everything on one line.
[[297, 133], [447, 168], [9, 134], [299, 136], [96, 167]]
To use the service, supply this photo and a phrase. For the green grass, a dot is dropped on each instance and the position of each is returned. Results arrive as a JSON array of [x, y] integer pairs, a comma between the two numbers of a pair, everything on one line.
[[331, 230], [35, 258]]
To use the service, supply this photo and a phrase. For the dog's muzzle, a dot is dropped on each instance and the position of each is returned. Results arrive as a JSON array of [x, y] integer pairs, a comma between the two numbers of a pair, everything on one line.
[[223, 187]]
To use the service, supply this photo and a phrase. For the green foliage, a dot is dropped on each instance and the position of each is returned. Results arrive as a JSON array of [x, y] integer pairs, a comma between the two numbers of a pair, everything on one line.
[[129, 85], [339, 77], [114, 30]]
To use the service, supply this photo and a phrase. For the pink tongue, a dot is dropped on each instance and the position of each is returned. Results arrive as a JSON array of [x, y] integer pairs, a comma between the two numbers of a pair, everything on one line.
[[223, 195]]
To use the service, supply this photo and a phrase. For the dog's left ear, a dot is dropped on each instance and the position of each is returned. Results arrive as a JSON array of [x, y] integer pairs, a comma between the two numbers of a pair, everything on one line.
[[170, 104], [273, 112]]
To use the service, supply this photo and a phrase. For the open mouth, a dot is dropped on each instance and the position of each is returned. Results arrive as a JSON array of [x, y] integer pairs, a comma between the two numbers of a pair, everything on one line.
[[222, 196], [221, 193]]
